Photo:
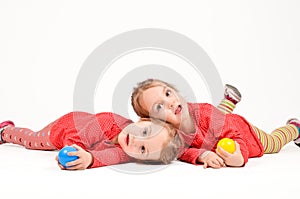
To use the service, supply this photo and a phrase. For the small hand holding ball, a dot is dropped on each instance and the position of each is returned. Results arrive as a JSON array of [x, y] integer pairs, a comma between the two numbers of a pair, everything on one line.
[[227, 144], [63, 156]]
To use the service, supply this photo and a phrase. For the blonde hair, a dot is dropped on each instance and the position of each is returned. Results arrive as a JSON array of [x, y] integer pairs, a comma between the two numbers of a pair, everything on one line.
[[172, 148], [138, 91]]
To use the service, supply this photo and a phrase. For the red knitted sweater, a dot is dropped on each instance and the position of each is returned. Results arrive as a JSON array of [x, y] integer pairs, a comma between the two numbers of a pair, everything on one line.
[[92, 132], [212, 125]]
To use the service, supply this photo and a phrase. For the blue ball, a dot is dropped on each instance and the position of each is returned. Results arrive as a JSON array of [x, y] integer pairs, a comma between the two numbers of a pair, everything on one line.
[[63, 156]]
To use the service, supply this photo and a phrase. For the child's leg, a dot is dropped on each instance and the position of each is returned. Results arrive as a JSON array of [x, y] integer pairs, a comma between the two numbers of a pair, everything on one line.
[[226, 106], [232, 96], [278, 138], [28, 138], [296, 123]]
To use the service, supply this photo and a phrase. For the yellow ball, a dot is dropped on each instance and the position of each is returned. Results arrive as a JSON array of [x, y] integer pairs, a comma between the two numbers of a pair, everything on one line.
[[227, 144]]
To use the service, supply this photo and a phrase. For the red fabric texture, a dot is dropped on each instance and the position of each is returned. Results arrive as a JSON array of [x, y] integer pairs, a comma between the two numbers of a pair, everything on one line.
[[92, 132], [212, 125]]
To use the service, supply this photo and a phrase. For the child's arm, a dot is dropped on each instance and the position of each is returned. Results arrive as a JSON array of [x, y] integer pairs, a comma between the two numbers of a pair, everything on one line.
[[202, 156], [93, 159], [110, 156], [85, 159], [211, 159]]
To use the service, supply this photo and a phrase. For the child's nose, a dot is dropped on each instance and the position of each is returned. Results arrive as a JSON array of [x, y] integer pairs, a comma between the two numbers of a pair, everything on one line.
[[134, 140], [171, 103]]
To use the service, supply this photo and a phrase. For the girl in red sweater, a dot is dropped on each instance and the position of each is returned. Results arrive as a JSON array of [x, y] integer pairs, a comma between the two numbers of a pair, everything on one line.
[[205, 124], [100, 139]]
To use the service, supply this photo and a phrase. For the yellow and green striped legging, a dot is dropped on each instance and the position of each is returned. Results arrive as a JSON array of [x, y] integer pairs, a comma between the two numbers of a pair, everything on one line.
[[274, 141], [226, 106]]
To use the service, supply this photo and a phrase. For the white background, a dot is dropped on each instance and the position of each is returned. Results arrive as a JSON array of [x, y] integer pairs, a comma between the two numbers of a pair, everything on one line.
[[255, 46]]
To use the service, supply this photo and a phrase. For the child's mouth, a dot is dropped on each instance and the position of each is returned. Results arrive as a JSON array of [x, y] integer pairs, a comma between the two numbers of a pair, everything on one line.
[[178, 110], [127, 139]]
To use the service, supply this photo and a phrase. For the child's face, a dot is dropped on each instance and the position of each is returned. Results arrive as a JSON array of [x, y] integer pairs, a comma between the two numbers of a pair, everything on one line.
[[143, 140], [164, 103]]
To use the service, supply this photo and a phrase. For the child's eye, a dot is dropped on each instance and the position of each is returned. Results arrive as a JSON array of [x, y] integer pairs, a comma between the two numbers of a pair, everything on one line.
[[143, 149], [159, 106], [145, 132], [168, 93]]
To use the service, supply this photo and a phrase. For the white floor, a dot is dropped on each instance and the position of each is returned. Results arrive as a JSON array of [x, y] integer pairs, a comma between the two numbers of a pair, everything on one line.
[[34, 174]]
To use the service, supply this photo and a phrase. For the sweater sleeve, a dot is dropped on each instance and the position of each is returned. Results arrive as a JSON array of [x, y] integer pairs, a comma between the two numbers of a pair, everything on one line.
[[238, 133], [244, 149], [224, 125], [191, 155], [109, 156]]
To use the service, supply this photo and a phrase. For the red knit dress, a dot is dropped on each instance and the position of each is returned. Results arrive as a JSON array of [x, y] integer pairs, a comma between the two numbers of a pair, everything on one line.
[[92, 132], [212, 125]]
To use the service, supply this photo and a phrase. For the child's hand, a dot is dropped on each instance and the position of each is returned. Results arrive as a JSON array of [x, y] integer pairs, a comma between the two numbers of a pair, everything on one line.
[[84, 160], [60, 166], [235, 160], [211, 159]]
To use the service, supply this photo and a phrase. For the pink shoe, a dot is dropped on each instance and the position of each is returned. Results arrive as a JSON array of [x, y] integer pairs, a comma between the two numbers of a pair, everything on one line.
[[295, 122], [2, 125]]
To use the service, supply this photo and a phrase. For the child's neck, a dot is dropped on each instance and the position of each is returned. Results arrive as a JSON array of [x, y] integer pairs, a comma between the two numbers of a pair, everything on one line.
[[187, 125], [115, 140]]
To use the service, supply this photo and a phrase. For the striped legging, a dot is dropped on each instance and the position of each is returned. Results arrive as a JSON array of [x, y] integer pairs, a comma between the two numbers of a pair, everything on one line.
[[273, 142], [226, 106]]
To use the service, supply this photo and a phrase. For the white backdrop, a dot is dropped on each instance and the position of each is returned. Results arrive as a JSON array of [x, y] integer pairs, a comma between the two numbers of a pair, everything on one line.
[[43, 44], [254, 45]]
